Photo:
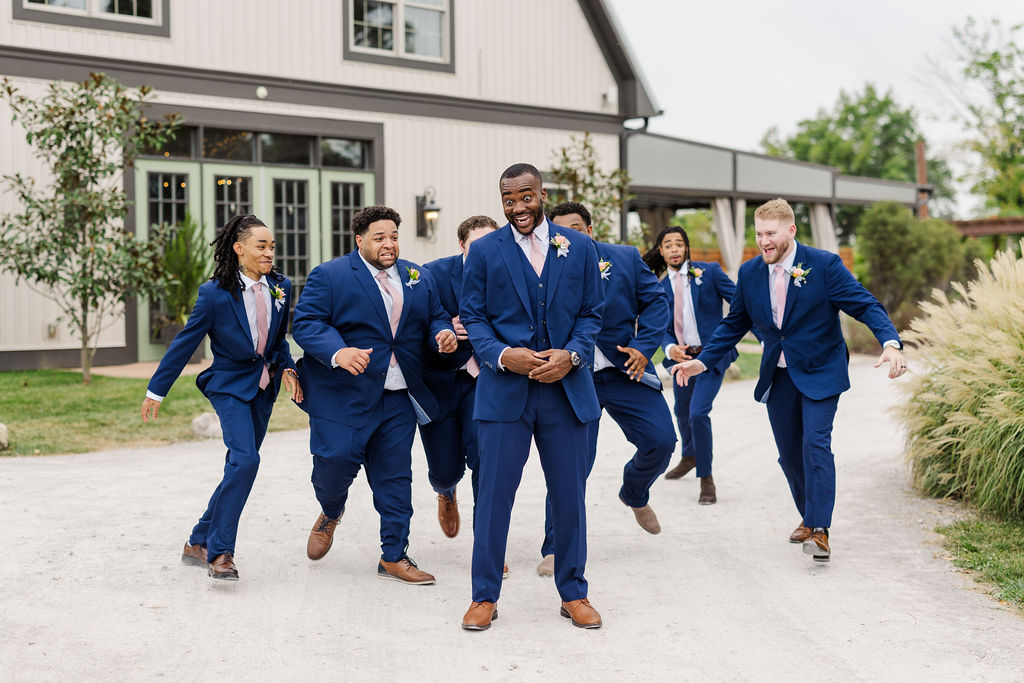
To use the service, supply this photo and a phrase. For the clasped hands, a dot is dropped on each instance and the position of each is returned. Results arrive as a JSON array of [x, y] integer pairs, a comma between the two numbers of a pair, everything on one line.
[[544, 366], [355, 360]]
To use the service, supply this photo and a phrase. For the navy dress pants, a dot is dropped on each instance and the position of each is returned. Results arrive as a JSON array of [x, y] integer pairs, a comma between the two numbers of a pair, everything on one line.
[[450, 442], [384, 447], [243, 424], [693, 408]]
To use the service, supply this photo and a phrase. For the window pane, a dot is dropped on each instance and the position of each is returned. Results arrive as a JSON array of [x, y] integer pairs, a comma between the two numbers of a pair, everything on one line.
[[373, 24], [291, 228], [341, 153], [179, 146], [285, 149], [231, 197], [346, 200], [235, 145], [144, 8], [72, 4], [423, 31]]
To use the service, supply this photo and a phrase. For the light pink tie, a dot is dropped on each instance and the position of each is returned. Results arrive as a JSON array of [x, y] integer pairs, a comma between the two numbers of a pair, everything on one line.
[[780, 302], [677, 309], [536, 254], [396, 305], [472, 367], [262, 327]]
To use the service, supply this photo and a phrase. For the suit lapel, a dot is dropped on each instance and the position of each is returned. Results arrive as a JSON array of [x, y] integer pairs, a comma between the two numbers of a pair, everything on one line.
[[510, 252], [694, 291], [555, 262], [371, 288], [792, 292], [407, 295], [455, 282], [238, 305], [761, 278]]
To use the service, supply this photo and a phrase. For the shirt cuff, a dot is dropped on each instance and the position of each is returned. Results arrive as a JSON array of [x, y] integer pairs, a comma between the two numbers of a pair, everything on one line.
[[702, 365], [334, 355], [501, 367], [668, 350], [155, 397], [891, 342]]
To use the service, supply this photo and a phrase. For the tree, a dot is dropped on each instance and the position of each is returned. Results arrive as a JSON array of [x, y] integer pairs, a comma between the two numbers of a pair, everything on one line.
[[988, 97], [865, 134], [69, 242], [578, 171]]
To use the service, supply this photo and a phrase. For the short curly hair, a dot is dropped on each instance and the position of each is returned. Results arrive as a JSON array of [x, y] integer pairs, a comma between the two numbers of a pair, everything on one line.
[[472, 223], [371, 214], [569, 208]]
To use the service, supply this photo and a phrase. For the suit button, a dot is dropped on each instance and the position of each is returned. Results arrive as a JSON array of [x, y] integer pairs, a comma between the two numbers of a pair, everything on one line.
[[783, 337], [541, 303], [543, 340], [540, 284], [531, 328]]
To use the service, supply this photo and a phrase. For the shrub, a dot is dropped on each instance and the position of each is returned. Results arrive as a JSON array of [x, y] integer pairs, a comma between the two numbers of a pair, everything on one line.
[[965, 413]]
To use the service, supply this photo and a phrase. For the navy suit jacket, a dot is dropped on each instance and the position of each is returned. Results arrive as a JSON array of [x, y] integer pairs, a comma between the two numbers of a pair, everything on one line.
[[635, 308], [715, 288], [439, 370], [811, 335], [341, 306], [236, 367], [496, 312]]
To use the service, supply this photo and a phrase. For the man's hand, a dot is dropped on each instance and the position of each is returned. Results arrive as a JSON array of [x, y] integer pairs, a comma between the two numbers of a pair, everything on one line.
[[352, 359], [447, 341], [291, 383], [521, 360], [678, 354], [149, 406], [897, 363], [558, 365], [684, 371], [637, 362], [460, 329]]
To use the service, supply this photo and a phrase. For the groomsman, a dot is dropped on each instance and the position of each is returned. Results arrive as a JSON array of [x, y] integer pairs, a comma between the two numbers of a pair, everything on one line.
[[244, 310], [364, 320], [450, 442], [792, 295], [531, 304], [696, 291], [628, 387]]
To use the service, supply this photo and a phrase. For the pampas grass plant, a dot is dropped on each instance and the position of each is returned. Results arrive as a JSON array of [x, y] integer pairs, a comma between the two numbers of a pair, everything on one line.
[[965, 410]]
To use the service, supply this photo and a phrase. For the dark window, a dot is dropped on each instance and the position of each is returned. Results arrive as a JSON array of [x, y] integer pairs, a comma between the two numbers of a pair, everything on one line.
[[232, 145], [342, 153], [276, 148], [373, 24], [231, 198], [291, 231], [130, 8], [168, 197], [346, 200], [414, 33], [179, 146], [142, 17]]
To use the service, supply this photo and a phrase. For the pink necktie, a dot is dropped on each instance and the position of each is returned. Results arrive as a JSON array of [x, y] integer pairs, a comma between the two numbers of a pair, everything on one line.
[[677, 309], [780, 302], [472, 367], [396, 305], [262, 326], [536, 254]]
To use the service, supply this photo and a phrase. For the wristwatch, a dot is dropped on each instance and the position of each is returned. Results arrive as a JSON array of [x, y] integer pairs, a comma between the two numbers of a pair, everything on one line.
[[575, 359]]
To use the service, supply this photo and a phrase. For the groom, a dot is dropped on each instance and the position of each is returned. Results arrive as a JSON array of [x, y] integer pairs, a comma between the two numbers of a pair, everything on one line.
[[792, 295]]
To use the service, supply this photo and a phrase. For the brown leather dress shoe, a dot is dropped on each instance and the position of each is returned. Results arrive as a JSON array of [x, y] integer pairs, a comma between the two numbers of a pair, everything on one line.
[[582, 614], [223, 567], [645, 517], [405, 570], [322, 536], [800, 534], [684, 466], [479, 616], [448, 515], [707, 491], [194, 555], [817, 545], [504, 571]]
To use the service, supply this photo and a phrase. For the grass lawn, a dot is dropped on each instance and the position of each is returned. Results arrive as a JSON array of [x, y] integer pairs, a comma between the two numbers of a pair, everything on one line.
[[993, 549], [51, 411]]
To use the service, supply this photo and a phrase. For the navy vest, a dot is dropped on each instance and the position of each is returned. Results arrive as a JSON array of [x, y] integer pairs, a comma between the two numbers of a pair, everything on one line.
[[536, 287]]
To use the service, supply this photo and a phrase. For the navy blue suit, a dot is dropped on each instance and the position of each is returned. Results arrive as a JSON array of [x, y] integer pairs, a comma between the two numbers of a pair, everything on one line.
[[353, 421], [506, 304], [694, 401], [802, 397], [450, 442], [635, 314], [231, 384]]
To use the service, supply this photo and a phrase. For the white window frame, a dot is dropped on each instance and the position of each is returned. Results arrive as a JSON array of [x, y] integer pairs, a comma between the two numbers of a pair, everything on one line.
[[94, 10], [398, 50]]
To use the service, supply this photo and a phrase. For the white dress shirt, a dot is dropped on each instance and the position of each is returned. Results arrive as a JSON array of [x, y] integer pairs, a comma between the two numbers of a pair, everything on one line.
[[691, 337]]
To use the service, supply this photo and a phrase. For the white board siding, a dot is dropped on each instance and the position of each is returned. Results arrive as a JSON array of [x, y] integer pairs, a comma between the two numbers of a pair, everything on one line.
[[530, 52]]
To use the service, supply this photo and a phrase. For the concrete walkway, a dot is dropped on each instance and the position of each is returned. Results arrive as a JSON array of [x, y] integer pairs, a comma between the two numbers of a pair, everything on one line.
[[91, 586]]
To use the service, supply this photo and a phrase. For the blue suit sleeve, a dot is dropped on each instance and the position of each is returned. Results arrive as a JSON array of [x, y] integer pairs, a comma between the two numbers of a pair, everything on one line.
[[588, 320], [439, 318], [855, 300], [729, 332], [311, 327], [653, 318], [473, 310], [184, 345]]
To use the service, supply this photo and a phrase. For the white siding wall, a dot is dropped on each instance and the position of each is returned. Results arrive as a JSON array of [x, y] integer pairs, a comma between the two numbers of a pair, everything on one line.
[[530, 52], [24, 314]]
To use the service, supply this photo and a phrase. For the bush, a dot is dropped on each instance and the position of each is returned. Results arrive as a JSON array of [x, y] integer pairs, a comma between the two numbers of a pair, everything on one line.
[[965, 414]]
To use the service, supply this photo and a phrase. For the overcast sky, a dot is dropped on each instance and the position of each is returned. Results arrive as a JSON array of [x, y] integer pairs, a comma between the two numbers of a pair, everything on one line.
[[725, 72]]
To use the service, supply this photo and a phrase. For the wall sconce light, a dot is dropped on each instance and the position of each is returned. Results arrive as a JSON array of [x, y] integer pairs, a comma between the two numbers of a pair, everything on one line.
[[427, 214]]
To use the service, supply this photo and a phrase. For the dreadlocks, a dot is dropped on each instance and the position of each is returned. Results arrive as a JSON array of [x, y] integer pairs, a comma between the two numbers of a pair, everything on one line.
[[653, 258], [226, 270]]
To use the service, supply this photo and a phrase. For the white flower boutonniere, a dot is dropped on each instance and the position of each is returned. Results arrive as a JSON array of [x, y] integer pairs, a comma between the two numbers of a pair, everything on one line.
[[605, 268], [561, 243], [799, 274], [414, 277], [696, 274], [277, 294]]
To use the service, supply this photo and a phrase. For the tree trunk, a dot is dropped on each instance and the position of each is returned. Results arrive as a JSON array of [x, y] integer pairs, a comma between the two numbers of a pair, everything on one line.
[[83, 334]]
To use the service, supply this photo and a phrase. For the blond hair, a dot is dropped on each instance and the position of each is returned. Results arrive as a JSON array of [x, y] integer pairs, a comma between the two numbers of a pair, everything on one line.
[[776, 209]]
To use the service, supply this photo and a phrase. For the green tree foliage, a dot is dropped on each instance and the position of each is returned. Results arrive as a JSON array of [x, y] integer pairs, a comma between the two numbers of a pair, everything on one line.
[[578, 172], [965, 413], [905, 258], [68, 241], [865, 134], [699, 227], [990, 97]]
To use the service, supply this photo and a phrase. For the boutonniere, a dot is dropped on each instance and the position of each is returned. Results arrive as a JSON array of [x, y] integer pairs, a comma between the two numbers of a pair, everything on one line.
[[696, 274], [799, 274], [604, 267], [414, 277], [561, 243], [277, 294]]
